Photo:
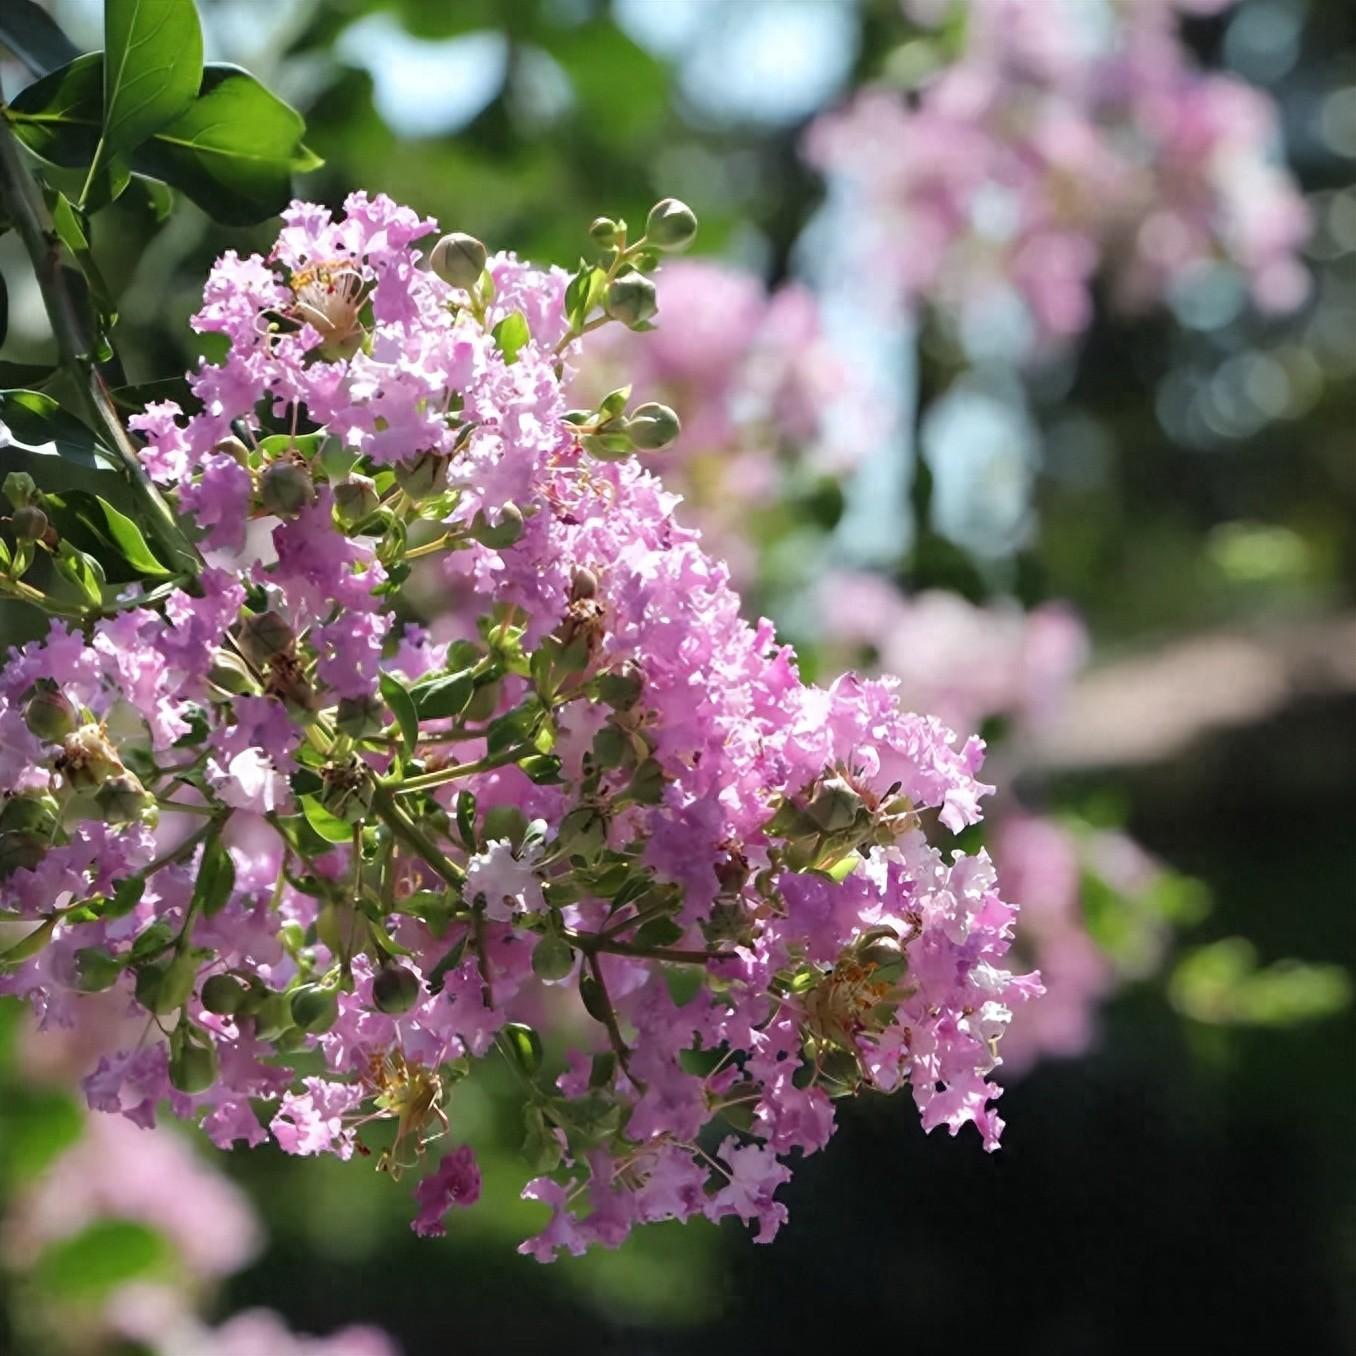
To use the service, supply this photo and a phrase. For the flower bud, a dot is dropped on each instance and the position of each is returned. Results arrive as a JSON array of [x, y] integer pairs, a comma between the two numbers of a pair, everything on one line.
[[265, 636], [29, 523], [286, 487], [458, 259], [603, 230], [192, 1061], [95, 969], [164, 987], [87, 759], [631, 298], [223, 994], [232, 447], [20, 850], [315, 1008], [395, 989], [502, 534], [835, 806], [122, 799], [19, 488], [552, 958], [671, 225], [29, 814], [583, 585], [272, 1017], [359, 716], [652, 426], [355, 499], [228, 672], [423, 476], [49, 713]]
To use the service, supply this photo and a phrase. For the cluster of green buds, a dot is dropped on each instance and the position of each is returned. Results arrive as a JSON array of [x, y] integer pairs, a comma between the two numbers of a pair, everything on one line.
[[825, 827]]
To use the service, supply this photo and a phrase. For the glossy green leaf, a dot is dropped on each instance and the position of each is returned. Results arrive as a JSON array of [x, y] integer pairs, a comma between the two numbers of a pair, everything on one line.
[[216, 876], [232, 151], [523, 1043], [37, 424], [329, 826], [511, 333], [110, 527], [71, 229], [446, 695], [402, 708], [152, 67]]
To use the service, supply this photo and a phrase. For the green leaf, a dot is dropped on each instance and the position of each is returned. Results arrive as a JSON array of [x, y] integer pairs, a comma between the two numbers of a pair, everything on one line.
[[511, 333], [402, 707], [330, 827], [151, 941], [37, 424], [126, 896], [152, 67], [71, 229], [105, 1255], [525, 1046], [444, 696], [216, 876], [126, 536], [34, 37], [466, 819], [232, 151]]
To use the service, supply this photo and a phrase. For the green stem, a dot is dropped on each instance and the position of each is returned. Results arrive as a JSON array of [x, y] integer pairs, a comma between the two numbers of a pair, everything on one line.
[[385, 808], [591, 942], [24, 201], [425, 780]]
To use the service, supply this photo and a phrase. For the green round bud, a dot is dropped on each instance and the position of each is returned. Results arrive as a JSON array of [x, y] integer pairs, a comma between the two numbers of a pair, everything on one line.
[[671, 225], [653, 426], [192, 1063], [20, 850], [29, 523], [315, 1008], [232, 447], [19, 488], [265, 636], [552, 958], [583, 584], [458, 259], [502, 534], [95, 969], [603, 230], [30, 814], [484, 701], [122, 799], [423, 476], [355, 499], [286, 487], [359, 716], [228, 672], [49, 714], [835, 806], [272, 1017], [631, 298], [395, 989], [223, 994], [164, 987]]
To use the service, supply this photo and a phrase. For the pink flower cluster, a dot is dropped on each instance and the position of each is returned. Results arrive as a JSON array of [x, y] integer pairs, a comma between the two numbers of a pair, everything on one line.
[[1065, 139], [276, 820]]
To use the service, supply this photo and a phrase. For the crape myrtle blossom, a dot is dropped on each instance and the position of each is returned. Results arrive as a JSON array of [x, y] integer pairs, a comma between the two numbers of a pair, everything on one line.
[[1065, 139], [314, 833]]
